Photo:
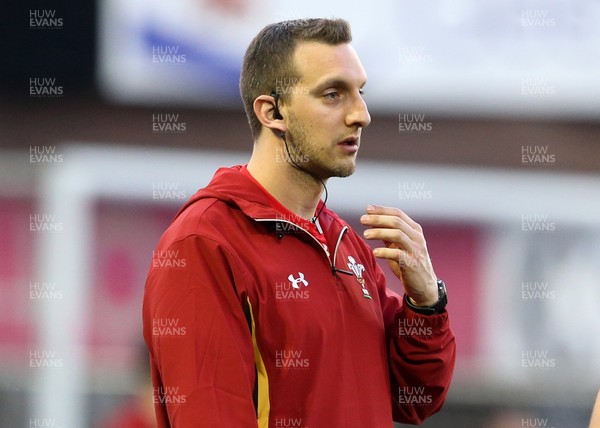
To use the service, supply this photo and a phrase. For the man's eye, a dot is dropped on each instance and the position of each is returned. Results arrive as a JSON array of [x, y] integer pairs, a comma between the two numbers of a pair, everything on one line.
[[331, 95], [361, 92]]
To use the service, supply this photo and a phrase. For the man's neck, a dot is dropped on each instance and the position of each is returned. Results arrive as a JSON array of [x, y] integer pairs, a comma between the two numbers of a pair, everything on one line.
[[296, 190]]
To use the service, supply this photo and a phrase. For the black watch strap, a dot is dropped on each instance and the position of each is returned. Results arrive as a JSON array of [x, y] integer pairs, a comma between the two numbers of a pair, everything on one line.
[[436, 308]]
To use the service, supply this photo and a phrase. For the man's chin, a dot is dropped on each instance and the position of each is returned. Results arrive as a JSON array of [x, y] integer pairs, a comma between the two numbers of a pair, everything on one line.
[[340, 169], [344, 171]]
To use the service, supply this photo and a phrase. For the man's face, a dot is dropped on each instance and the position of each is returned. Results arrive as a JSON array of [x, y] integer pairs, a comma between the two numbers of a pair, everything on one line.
[[326, 111]]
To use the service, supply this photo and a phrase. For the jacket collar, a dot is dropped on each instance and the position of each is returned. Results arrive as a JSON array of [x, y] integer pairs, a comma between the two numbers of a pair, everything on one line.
[[233, 187]]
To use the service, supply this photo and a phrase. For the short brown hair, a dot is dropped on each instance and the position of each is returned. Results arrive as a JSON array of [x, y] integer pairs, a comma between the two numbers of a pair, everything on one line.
[[268, 62]]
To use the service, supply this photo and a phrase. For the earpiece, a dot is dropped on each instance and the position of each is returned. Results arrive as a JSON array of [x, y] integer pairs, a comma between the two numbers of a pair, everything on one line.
[[276, 114]]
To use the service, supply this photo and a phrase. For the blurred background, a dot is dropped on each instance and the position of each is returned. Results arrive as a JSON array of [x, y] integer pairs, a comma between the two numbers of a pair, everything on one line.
[[485, 129]]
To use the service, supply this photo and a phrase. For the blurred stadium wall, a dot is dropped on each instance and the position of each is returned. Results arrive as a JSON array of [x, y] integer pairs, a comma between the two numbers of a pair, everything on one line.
[[101, 142]]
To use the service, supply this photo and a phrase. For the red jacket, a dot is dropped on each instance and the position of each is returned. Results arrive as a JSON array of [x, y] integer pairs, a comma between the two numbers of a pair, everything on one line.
[[251, 322]]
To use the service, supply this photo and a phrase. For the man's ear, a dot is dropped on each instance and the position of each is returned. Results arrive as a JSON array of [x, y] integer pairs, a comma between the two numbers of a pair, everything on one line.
[[264, 109]]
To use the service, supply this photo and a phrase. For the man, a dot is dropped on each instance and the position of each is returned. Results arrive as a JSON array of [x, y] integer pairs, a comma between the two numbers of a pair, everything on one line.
[[595, 422], [282, 315]]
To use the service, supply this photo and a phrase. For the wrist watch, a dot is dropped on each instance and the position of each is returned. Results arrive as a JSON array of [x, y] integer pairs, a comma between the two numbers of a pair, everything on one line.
[[436, 308]]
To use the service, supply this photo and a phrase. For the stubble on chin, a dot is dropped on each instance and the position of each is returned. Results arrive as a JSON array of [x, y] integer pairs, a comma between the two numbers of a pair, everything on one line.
[[317, 160], [346, 172]]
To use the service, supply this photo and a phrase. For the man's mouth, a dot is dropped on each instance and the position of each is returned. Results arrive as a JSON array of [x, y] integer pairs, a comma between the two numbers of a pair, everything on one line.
[[350, 144]]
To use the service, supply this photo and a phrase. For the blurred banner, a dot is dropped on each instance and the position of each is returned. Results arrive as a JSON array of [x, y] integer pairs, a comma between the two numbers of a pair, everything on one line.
[[518, 57]]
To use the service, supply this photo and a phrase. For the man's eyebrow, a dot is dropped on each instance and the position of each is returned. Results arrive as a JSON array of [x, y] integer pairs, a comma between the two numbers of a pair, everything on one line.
[[335, 82]]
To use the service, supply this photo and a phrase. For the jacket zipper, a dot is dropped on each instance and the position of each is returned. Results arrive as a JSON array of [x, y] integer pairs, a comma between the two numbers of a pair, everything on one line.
[[337, 244]]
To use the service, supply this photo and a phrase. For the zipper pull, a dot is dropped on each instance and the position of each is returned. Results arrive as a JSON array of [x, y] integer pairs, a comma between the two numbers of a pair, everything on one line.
[[334, 270]]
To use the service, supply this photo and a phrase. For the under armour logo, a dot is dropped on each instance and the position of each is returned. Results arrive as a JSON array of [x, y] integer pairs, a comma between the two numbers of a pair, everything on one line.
[[358, 270], [296, 281]]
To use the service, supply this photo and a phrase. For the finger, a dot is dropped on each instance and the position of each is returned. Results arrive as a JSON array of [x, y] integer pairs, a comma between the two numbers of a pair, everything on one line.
[[393, 236], [390, 222], [399, 256], [386, 253], [405, 259], [378, 209]]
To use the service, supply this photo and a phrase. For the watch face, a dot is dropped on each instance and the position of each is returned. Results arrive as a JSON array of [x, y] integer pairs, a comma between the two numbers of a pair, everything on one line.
[[441, 288], [437, 307], [443, 298]]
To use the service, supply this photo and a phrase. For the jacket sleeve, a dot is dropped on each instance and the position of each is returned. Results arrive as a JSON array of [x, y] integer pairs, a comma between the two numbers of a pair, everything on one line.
[[422, 353], [199, 339]]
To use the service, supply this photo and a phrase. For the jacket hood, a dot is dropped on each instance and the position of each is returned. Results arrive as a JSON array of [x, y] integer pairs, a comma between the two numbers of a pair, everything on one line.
[[232, 186]]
